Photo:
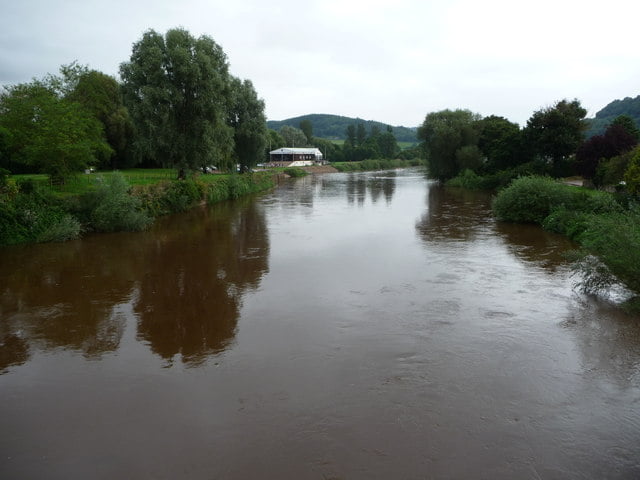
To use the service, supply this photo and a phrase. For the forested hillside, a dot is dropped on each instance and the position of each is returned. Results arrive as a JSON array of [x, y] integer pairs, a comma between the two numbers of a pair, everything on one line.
[[628, 106], [334, 126]]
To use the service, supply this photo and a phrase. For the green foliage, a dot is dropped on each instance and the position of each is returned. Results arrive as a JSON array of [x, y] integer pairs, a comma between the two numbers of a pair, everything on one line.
[[350, 133], [64, 227], [628, 107], [273, 141], [449, 137], [35, 216], [307, 128], [330, 150], [567, 222], [529, 199], [295, 172], [615, 239], [235, 186], [373, 165], [632, 174], [48, 133], [181, 195], [114, 209], [100, 94], [500, 142], [334, 127], [292, 136], [609, 234], [249, 124], [411, 153], [361, 134], [555, 133], [629, 125], [177, 90], [595, 277]]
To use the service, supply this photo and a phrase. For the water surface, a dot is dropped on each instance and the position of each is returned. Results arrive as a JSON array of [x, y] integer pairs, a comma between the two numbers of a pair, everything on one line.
[[343, 326]]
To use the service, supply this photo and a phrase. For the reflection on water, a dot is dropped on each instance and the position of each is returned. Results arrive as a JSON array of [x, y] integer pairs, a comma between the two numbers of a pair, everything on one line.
[[454, 214], [197, 271], [359, 325], [61, 295], [186, 278], [375, 184]]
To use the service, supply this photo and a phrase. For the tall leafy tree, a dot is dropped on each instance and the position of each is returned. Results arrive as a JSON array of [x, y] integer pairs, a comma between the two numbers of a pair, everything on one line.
[[307, 128], [626, 122], [100, 94], [293, 137], [387, 144], [177, 89], [591, 153], [447, 136], [249, 124], [351, 135], [499, 142], [361, 134], [49, 133], [556, 132]]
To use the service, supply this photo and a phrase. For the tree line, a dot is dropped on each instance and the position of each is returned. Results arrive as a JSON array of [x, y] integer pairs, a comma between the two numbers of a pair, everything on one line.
[[462, 143], [360, 143], [176, 106]]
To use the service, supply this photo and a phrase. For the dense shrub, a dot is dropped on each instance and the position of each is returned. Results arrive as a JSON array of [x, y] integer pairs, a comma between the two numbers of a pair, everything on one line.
[[295, 172], [567, 222], [236, 186], [31, 213], [64, 227], [591, 201], [499, 179], [114, 209], [611, 172], [632, 174], [372, 165], [608, 233], [181, 195], [615, 239], [529, 199], [36, 216]]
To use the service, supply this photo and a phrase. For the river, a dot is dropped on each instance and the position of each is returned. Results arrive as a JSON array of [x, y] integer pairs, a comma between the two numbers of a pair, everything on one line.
[[343, 326]]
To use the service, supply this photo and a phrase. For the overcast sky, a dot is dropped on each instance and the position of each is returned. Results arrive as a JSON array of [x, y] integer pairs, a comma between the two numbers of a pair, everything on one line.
[[388, 60]]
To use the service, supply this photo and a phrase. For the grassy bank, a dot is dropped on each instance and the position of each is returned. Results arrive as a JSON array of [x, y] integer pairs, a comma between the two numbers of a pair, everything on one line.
[[606, 226], [32, 211], [372, 165]]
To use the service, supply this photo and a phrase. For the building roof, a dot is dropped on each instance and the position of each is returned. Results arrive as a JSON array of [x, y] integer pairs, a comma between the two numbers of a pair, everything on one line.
[[299, 151]]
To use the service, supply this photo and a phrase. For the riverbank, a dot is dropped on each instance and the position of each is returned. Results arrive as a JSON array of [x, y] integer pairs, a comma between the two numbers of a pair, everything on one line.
[[320, 169], [605, 225], [32, 213], [373, 165]]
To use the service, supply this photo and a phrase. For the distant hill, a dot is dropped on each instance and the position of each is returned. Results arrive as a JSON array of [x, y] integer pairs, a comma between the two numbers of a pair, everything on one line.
[[333, 127], [628, 106]]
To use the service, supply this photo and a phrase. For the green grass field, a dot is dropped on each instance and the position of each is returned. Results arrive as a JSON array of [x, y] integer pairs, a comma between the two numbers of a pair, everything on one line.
[[402, 145], [83, 183]]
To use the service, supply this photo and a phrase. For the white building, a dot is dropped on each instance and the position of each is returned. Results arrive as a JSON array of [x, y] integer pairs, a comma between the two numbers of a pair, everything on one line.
[[296, 157]]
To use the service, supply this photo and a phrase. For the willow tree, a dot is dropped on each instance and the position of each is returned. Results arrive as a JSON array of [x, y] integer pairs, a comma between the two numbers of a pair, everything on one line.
[[247, 118], [177, 89], [450, 140]]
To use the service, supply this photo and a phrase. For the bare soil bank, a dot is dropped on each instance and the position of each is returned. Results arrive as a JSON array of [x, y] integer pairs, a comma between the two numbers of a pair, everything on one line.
[[320, 169]]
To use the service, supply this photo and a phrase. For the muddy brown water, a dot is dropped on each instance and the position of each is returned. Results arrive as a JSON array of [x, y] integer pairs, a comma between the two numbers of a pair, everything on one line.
[[343, 326]]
